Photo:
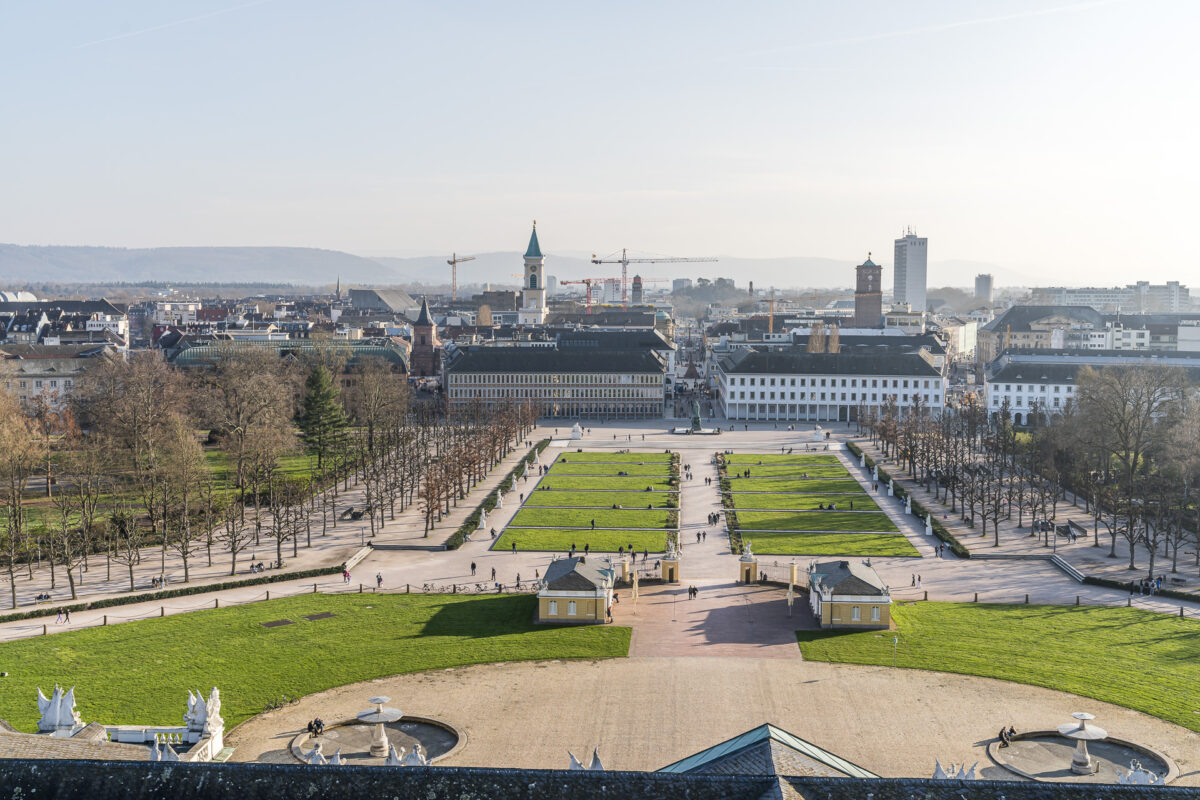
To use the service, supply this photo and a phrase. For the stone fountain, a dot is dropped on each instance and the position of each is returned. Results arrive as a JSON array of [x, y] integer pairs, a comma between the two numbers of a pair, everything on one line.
[[1082, 732], [379, 716]]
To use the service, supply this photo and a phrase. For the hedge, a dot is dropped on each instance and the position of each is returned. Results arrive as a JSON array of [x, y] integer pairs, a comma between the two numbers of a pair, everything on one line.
[[167, 594], [457, 538], [939, 530], [731, 520], [1174, 594]]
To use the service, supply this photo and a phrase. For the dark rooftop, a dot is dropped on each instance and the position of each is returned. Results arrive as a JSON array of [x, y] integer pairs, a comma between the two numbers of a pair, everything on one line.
[[797, 361], [551, 359]]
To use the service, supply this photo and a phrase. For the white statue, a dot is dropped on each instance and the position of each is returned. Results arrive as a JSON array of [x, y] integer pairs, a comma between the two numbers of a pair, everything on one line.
[[415, 758], [336, 761], [213, 723], [58, 712], [315, 756], [574, 765], [499, 500], [196, 714], [394, 759], [747, 553], [940, 773], [595, 765], [1140, 776]]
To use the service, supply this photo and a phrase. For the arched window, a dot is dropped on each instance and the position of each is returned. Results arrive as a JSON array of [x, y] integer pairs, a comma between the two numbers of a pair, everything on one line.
[[570, 606], [855, 614], [532, 280], [552, 608]]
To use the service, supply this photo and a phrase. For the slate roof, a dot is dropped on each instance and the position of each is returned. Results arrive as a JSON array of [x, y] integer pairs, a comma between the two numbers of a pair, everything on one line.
[[572, 575], [80, 746], [88, 307], [767, 750], [551, 359], [796, 361], [1021, 318], [847, 577], [394, 300], [627, 319], [28, 352], [424, 318]]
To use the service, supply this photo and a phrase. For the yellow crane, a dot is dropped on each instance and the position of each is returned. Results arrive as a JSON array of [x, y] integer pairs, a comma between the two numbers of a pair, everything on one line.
[[454, 261]]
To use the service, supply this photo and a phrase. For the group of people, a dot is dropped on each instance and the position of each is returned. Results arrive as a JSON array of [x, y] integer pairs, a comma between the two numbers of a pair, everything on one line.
[[1147, 586], [701, 536], [693, 593], [345, 576], [64, 617], [316, 727], [621, 551], [1006, 735], [254, 567], [714, 518], [833, 506], [158, 581]]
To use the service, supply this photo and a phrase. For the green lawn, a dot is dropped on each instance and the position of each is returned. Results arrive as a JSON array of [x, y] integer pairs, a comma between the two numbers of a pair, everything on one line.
[[804, 459], [832, 485], [597, 468], [222, 466], [138, 672], [829, 544], [789, 501], [582, 518], [600, 541], [623, 458], [572, 482], [600, 499], [790, 471], [1133, 658], [876, 522]]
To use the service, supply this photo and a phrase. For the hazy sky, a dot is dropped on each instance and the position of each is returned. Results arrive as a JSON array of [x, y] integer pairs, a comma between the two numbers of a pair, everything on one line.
[[1054, 138]]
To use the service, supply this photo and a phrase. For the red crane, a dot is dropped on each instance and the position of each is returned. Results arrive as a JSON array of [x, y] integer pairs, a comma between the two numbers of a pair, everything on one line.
[[625, 261]]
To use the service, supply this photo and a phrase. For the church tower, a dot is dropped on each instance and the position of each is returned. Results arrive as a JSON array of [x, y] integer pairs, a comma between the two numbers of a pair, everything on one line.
[[868, 295], [424, 355], [533, 291]]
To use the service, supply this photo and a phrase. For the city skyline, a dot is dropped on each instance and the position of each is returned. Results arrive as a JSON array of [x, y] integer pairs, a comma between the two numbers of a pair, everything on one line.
[[681, 130]]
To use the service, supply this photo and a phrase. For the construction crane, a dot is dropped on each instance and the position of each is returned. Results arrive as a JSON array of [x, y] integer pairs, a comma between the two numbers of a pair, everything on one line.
[[454, 262], [625, 261], [588, 282]]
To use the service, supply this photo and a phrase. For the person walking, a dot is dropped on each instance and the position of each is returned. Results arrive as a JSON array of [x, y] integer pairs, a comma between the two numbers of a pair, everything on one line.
[[514, 547], [58, 619], [472, 569], [593, 525], [66, 616], [378, 580], [493, 573]]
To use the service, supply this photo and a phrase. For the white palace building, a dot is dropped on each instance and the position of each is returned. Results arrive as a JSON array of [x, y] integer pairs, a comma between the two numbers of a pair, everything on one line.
[[790, 384]]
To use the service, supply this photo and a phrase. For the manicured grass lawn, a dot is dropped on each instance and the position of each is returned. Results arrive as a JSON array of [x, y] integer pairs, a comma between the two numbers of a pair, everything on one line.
[[599, 499], [829, 544], [624, 458], [138, 672], [294, 465], [582, 518], [599, 541], [570, 482], [842, 501], [816, 521], [804, 459], [832, 485], [790, 471], [1133, 658], [597, 468]]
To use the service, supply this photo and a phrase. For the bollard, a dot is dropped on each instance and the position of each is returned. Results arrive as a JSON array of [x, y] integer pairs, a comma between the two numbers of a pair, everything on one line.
[[268, 594], [314, 588], [1076, 599], [106, 619], [44, 630], [454, 588], [360, 588], [407, 588], [216, 602], [162, 611], [976, 597], [926, 594], [1129, 602], [1027, 598], [1181, 612]]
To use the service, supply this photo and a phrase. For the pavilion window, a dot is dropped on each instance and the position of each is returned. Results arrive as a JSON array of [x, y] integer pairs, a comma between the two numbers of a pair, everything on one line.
[[552, 608], [855, 614]]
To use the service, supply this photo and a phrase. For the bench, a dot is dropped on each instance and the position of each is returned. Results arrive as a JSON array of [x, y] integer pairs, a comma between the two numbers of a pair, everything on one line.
[[1179, 581]]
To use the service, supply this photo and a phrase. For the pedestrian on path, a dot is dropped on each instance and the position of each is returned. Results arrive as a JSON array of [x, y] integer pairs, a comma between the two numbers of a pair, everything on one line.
[[587, 546], [914, 580], [514, 547], [493, 573], [66, 616], [593, 527], [58, 619], [704, 535], [472, 569], [378, 580]]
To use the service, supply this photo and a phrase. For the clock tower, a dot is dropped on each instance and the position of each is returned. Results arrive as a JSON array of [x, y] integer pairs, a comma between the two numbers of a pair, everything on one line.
[[533, 290]]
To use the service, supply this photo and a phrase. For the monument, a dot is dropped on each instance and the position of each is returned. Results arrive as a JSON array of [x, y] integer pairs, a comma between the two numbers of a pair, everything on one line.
[[696, 426], [379, 716]]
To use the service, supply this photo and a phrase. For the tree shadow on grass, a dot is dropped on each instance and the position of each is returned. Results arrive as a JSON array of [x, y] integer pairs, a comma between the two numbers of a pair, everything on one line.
[[483, 617]]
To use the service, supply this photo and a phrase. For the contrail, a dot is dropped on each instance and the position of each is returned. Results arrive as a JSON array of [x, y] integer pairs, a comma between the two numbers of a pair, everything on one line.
[[945, 26], [173, 23]]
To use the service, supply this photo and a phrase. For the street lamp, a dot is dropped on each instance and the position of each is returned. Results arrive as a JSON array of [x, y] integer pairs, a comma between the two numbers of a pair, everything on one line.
[[895, 643], [362, 536]]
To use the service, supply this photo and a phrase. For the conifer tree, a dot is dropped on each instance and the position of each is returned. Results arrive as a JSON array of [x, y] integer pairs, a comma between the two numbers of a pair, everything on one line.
[[322, 419]]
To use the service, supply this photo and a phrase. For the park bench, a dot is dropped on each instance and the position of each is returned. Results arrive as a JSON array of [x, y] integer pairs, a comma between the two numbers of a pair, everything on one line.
[[1178, 580]]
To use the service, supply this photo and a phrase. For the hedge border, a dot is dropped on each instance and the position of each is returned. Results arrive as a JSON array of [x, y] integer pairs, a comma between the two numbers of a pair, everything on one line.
[[731, 519], [939, 530], [456, 539], [1174, 594], [167, 594]]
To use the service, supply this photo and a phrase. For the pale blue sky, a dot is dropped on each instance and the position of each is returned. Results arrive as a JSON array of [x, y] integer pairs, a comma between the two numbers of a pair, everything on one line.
[[1057, 138]]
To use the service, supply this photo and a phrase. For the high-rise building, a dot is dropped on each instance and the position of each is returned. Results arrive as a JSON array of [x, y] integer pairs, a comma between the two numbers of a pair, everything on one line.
[[983, 288], [533, 292], [868, 298], [679, 284], [910, 269], [636, 296]]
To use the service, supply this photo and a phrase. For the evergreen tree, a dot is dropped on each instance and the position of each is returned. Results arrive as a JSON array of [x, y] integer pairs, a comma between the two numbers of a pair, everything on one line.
[[322, 419]]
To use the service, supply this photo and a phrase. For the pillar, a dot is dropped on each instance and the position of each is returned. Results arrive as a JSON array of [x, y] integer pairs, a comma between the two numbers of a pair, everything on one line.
[[794, 576], [748, 569], [624, 569], [891, 488], [670, 567]]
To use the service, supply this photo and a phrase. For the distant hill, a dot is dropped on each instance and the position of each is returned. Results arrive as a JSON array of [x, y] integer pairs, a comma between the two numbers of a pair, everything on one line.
[[299, 265]]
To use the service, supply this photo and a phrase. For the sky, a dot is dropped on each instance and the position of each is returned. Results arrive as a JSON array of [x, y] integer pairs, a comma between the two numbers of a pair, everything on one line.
[[1055, 139]]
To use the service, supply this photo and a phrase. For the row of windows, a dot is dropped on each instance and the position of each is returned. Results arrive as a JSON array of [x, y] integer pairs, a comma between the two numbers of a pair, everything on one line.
[[1034, 387], [833, 396], [1019, 402], [856, 614], [522, 379], [53, 384], [535, 394], [896, 382], [553, 608]]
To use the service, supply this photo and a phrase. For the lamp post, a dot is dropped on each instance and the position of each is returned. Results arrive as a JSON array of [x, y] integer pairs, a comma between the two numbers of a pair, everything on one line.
[[895, 644], [362, 536]]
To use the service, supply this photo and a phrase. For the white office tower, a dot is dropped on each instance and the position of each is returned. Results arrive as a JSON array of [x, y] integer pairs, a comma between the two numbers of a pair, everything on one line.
[[533, 293], [910, 263], [983, 288]]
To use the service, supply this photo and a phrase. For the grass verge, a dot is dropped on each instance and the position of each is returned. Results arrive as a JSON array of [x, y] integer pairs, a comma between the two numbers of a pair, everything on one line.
[[833, 485], [612, 484], [874, 522], [138, 672], [583, 518], [604, 469], [804, 459], [600, 499], [597, 541], [804, 501], [829, 544], [1138, 659]]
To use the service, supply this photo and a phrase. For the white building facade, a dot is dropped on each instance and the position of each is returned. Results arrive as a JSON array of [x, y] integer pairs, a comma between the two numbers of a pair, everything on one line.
[[911, 264]]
